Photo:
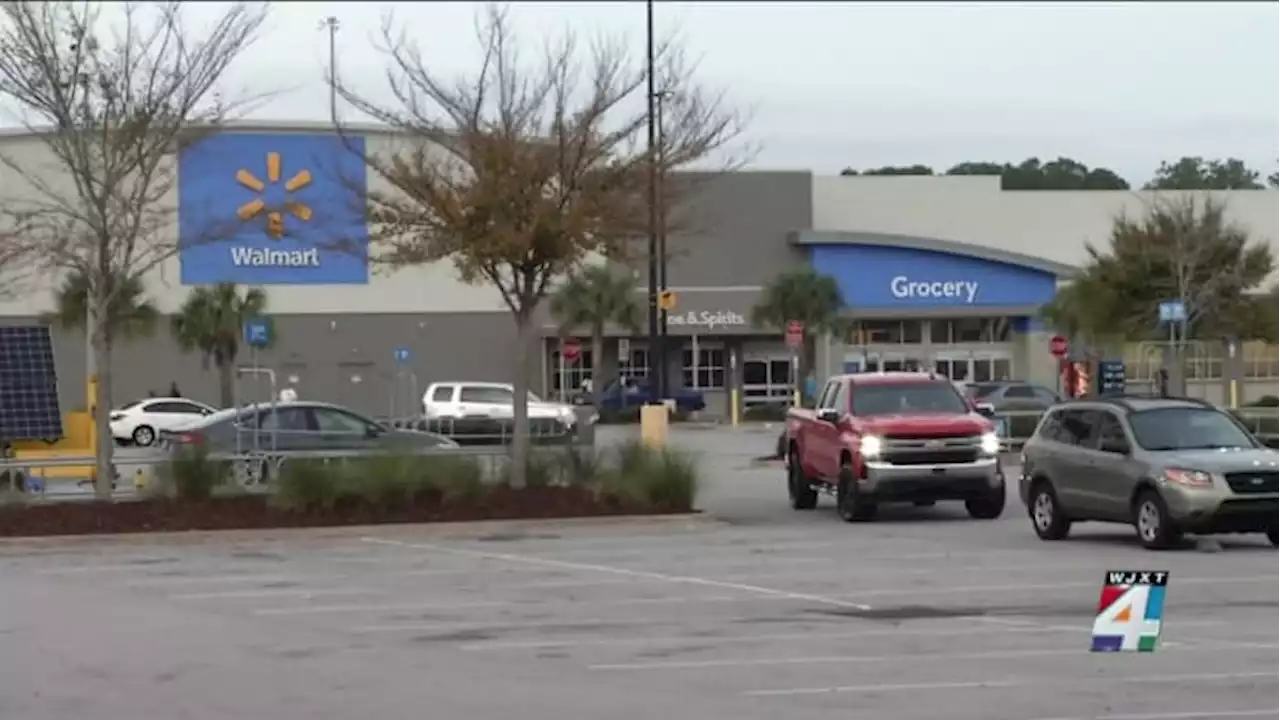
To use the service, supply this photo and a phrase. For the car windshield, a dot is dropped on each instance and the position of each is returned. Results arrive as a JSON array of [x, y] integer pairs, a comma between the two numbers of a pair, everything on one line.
[[1184, 428], [979, 391], [893, 399]]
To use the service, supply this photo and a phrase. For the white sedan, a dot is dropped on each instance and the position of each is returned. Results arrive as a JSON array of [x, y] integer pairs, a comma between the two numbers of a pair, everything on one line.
[[141, 421]]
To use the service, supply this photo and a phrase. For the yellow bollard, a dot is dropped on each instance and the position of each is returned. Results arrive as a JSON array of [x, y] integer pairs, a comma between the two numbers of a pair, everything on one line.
[[653, 425], [734, 411], [1233, 393], [91, 404], [797, 400]]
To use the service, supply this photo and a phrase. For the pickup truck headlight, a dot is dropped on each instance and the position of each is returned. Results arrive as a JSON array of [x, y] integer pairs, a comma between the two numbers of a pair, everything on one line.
[[990, 444], [870, 447]]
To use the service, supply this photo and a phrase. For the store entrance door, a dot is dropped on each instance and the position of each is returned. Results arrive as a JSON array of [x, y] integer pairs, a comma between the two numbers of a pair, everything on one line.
[[976, 366]]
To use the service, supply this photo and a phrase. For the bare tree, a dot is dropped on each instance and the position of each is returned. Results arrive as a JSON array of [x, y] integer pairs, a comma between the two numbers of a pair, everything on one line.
[[112, 92], [522, 171]]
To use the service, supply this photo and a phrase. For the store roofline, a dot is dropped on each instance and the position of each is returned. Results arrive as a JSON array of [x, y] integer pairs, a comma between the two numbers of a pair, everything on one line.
[[938, 245]]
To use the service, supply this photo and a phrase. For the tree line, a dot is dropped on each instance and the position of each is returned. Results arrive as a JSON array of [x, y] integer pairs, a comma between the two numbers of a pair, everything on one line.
[[1185, 173]]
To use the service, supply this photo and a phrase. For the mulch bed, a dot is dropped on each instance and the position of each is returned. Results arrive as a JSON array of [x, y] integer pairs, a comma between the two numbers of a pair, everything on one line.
[[253, 512]]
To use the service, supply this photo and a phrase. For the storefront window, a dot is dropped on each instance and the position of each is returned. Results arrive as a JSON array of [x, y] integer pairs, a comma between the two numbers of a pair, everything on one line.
[[969, 330], [887, 332], [568, 378], [635, 364], [766, 380], [705, 369]]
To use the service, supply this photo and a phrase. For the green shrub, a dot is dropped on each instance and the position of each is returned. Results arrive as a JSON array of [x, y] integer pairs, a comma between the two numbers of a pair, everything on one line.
[[191, 475], [1265, 401], [665, 478], [310, 485], [581, 466]]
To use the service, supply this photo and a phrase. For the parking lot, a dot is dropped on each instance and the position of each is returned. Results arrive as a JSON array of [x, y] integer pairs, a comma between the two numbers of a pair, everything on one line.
[[756, 611]]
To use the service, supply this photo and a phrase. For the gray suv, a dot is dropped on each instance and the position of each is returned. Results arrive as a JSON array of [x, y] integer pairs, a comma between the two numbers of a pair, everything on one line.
[[1166, 466]]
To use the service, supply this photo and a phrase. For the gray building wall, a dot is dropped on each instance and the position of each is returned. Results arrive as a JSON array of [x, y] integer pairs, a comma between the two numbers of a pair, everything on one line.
[[347, 359]]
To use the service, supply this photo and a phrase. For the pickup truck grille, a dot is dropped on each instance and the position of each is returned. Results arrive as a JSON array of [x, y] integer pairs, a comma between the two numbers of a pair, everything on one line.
[[931, 451], [1251, 483]]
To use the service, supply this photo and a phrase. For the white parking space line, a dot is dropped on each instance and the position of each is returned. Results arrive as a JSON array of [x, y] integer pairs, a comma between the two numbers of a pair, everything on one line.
[[953, 589], [858, 659], [225, 580], [274, 593], [1024, 682], [676, 639], [528, 560], [1199, 715], [136, 567], [466, 604], [488, 645]]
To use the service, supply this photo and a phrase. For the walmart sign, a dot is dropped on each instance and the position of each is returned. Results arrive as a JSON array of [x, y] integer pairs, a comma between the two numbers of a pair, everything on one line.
[[273, 209]]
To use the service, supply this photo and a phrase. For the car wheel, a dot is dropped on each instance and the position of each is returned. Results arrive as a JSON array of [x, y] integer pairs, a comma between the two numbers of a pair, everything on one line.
[[799, 486], [987, 506], [143, 435], [851, 505], [1047, 518], [1156, 530], [1274, 536]]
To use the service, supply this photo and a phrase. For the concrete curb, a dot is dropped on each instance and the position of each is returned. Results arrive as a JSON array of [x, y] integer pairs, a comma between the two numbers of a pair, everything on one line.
[[461, 530]]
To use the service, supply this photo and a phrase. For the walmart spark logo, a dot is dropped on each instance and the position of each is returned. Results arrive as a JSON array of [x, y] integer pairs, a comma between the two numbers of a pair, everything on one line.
[[255, 207]]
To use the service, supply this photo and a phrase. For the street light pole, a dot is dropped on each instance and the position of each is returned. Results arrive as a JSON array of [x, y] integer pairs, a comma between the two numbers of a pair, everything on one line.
[[657, 352], [331, 24], [660, 201]]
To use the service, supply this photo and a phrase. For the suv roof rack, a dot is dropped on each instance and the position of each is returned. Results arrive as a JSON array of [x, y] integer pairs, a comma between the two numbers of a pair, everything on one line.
[[1123, 400]]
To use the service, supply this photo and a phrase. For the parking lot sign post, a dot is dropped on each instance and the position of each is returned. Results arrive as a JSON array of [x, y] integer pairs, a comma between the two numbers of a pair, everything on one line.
[[257, 334], [795, 340]]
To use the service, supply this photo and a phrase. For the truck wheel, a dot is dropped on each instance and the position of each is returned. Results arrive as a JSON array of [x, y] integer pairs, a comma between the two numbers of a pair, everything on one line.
[[1156, 530], [799, 486], [988, 505], [851, 505], [1047, 518]]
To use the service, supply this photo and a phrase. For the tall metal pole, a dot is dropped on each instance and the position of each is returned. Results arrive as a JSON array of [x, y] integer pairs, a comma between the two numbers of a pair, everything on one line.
[[660, 201], [657, 352], [331, 24]]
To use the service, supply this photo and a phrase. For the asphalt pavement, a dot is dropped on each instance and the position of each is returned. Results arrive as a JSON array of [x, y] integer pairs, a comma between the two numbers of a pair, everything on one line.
[[754, 612]]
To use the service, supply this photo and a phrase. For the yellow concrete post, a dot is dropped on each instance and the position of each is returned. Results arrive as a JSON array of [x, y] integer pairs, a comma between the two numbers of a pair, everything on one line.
[[734, 413], [653, 425], [91, 404], [1233, 393]]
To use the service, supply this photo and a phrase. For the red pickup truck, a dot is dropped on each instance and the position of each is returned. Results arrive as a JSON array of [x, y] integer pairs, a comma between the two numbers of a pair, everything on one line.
[[893, 437]]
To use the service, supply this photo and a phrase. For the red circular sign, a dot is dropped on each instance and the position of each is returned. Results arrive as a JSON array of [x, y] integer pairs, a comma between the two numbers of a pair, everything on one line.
[[1058, 346], [570, 348]]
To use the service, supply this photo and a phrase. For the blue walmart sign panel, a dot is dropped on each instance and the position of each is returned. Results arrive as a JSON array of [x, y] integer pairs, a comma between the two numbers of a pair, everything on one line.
[[893, 277], [273, 209]]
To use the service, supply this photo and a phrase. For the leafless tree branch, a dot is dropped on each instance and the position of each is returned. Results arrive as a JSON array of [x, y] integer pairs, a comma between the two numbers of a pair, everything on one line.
[[111, 94]]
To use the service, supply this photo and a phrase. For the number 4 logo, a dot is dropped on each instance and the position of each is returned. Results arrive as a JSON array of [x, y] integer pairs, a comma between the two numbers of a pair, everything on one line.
[[1126, 618]]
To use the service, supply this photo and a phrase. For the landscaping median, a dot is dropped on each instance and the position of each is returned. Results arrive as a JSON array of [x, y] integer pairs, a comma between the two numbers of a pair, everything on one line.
[[197, 493]]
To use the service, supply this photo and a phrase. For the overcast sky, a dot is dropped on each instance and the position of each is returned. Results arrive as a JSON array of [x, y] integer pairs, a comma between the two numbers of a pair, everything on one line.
[[870, 84]]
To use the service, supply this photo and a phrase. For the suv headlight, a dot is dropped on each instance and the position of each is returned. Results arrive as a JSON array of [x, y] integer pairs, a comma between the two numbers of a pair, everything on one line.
[[1188, 478], [870, 447], [989, 443]]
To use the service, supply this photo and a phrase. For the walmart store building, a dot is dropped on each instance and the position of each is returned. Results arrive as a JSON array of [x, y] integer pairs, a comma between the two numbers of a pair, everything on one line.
[[940, 272]]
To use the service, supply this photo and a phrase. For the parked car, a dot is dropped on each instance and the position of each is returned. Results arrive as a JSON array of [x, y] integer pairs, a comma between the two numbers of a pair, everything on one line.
[[893, 437], [295, 426], [1167, 466], [494, 401], [141, 421], [628, 393], [1012, 396]]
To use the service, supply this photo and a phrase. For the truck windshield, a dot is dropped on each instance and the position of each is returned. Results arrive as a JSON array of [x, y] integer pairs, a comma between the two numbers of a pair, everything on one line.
[[1183, 428], [919, 397]]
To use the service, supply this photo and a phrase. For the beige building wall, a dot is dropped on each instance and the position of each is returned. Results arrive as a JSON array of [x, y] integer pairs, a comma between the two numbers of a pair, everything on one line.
[[1052, 225], [431, 288]]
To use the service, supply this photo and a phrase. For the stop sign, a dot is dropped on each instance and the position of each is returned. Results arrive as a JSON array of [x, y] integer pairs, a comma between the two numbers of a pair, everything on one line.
[[570, 349], [1058, 346]]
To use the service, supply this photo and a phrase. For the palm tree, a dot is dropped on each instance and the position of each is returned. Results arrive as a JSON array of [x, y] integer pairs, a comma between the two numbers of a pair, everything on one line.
[[593, 298], [130, 314], [211, 321], [805, 295]]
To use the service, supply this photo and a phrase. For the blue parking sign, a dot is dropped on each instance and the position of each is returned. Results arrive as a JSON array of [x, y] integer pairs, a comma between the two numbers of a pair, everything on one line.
[[402, 355], [257, 333]]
